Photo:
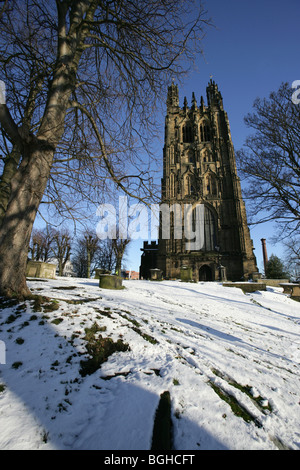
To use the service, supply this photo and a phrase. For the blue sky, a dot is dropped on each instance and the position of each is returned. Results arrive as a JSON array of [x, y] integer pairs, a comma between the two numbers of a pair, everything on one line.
[[253, 47]]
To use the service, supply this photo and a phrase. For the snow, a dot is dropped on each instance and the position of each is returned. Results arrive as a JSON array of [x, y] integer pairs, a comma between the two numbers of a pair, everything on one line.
[[208, 338]]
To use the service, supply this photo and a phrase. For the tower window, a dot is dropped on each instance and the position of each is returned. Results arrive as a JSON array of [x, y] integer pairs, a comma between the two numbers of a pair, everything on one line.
[[207, 230], [205, 133], [187, 133]]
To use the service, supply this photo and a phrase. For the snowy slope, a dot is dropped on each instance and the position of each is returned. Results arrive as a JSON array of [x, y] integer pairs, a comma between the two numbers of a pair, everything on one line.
[[205, 343]]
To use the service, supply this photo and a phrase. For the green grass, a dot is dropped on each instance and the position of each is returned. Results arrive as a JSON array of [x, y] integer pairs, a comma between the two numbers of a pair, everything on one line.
[[247, 389], [99, 349], [17, 364], [19, 340], [57, 321], [237, 409]]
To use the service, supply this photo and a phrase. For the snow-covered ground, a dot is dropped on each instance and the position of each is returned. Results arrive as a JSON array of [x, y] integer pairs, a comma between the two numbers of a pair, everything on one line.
[[206, 344]]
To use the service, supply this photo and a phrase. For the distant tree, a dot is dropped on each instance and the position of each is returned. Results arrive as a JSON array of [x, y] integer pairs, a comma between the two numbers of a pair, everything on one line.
[[41, 244], [269, 161], [119, 247], [105, 257], [275, 268], [293, 256], [61, 248], [85, 251]]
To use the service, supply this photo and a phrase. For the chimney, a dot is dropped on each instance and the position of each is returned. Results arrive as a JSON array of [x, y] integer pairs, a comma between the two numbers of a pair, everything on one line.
[[265, 254]]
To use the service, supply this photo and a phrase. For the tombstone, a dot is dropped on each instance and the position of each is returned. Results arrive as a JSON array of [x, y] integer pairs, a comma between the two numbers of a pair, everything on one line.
[[186, 274], [295, 294], [99, 271], [2, 353], [256, 276], [40, 269], [110, 281], [222, 273], [155, 274]]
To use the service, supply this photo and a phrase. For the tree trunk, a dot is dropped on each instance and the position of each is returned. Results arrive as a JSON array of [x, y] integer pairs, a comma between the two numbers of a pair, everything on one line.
[[10, 167], [28, 186], [88, 264]]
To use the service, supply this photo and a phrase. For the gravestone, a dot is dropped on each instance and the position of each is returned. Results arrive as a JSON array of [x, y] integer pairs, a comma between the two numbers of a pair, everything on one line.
[[40, 269], [155, 274], [110, 281], [186, 274], [99, 271]]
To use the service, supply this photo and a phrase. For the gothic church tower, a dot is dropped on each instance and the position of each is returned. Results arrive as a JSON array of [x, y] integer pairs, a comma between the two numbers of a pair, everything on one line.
[[199, 168]]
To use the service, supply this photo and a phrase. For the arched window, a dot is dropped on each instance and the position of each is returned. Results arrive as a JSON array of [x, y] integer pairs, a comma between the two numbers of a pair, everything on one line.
[[204, 225], [171, 154], [204, 132], [172, 185], [187, 133], [210, 240], [211, 186], [187, 185]]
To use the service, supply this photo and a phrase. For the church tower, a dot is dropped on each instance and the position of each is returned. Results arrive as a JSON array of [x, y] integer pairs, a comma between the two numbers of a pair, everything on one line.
[[200, 184]]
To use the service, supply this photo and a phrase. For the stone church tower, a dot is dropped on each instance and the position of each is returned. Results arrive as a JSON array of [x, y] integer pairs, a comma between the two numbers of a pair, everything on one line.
[[199, 170]]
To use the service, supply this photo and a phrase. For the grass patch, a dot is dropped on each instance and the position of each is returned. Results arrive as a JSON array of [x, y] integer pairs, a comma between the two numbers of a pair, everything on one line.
[[79, 301], [65, 287], [145, 336], [57, 321], [131, 320], [7, 303], [19, 340], [99, 349], [12, 318], [17, 364], [43, 304], [237, 409], [106, 312], [136, 328], [257, 400]]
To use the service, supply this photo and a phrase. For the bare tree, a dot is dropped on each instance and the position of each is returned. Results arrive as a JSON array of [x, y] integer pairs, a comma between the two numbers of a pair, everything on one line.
[[85, 251], [293, 256], [270, 161], [83, 78], [41, 244], [61, 248], [119, 247], [105, 258]]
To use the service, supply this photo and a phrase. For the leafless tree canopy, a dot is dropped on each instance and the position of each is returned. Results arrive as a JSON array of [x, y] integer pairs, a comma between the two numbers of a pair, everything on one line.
[[270, 161], [115, 59]]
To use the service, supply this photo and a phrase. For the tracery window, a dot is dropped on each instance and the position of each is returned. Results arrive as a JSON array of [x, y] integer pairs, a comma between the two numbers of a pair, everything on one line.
[[172, 185], [211, 186], [187, 133], [209, 229], [204, 133]]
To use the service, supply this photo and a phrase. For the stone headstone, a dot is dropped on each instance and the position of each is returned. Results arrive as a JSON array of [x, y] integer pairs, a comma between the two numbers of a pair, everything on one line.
[[186, 274], [155, 274], [40, 269], [109, 281]]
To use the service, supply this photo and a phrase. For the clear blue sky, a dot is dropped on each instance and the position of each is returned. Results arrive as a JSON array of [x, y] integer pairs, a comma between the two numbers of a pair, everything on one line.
[[253, 47]]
